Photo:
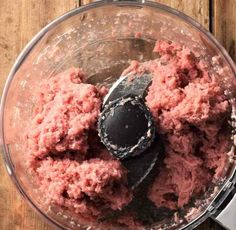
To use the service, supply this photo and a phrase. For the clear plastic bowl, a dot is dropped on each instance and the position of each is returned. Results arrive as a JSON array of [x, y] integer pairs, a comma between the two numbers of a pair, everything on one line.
[[101, 38]]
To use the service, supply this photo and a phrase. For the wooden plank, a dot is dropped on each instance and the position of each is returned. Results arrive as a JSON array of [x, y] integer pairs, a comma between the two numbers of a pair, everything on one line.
[[224, 24], [199, 10], [19, 21]]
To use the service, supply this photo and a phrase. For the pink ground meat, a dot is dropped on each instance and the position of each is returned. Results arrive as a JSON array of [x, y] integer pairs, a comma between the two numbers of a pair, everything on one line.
[[66, 109], [86, 188], [63, 128], [189, 109], [75, 172]]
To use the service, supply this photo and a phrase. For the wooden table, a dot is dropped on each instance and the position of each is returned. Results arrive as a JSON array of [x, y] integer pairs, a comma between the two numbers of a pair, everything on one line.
[[21, 19]]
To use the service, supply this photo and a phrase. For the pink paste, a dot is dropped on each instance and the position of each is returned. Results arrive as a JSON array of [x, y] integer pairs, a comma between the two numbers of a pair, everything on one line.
[[62, 130], [65, 110], [86, 188], [189, 108], [74, 171]]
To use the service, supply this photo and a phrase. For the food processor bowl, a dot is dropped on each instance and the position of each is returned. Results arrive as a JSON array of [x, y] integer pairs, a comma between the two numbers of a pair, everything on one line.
[[102, 38]]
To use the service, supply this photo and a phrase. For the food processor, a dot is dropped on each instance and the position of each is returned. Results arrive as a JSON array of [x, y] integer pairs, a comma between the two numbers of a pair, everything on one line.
[[102, 38]]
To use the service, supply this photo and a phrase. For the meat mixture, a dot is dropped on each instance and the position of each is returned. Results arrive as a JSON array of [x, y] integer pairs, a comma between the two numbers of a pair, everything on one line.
[[68, 174], [74, 170]]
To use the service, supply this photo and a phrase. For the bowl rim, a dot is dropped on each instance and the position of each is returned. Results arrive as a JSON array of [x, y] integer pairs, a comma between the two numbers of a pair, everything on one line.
[[26, 50]]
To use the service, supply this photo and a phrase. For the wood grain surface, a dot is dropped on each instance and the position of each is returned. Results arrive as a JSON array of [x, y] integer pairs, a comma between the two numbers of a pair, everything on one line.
[[20, 20], [224, 24]]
